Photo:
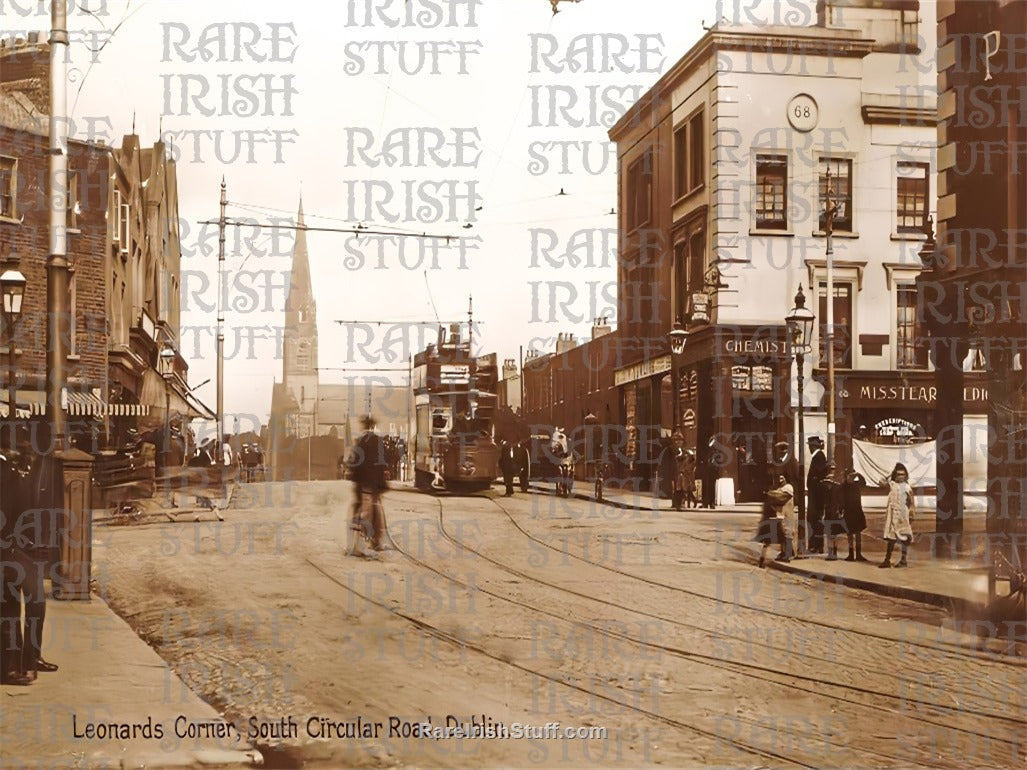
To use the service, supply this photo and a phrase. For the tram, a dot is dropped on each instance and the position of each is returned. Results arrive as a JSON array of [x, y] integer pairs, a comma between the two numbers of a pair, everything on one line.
[[454, 404]]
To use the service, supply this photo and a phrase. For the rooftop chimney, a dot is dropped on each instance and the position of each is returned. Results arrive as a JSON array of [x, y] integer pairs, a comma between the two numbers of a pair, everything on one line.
[[600, 328], [565, 342]]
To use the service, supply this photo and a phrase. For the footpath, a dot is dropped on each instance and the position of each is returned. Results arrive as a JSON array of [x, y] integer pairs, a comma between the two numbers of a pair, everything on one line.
[[109, 681], [953, 580], [113, 702]]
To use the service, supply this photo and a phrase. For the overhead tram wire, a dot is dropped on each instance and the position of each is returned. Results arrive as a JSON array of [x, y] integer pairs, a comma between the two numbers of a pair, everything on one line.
[[349, 230]]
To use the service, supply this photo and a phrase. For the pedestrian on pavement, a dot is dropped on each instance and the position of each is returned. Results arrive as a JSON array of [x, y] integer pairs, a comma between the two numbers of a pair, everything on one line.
[[710, 474], [855, 519], [25, 537], [508, 466], [368, 466], [688, 479], [815, 493], [898, 515], [777, 508], [784, 464], [834, 515], [523, 463]]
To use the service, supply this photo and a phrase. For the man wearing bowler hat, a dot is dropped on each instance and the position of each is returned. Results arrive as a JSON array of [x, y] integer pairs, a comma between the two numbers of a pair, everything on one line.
[[815, 494]]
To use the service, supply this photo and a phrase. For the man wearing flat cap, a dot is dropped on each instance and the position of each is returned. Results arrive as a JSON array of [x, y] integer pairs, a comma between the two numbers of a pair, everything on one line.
[[816, 494], [367, 469]]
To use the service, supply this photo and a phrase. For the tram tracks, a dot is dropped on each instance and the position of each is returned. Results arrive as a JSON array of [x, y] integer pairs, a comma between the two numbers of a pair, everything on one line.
[[794, 680], [956, 652], [765, 673], [465, 644]]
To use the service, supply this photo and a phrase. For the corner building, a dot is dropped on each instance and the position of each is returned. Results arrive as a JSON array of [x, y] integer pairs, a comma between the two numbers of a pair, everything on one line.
[[724, 169]]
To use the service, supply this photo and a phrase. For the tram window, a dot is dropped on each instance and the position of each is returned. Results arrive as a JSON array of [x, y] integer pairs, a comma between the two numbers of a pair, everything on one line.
[[439, 421]]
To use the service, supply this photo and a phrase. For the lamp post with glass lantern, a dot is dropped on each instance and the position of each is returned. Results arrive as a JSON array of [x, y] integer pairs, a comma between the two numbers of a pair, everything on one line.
[[166, 369], [678, 336], [800, 332], [12, 288]]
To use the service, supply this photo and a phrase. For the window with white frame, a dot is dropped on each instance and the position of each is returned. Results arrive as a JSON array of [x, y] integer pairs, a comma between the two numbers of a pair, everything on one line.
[[770, 206], [689, 157], [836, 180], [911, 197], [910, 345], [842, 337], [8, 187]]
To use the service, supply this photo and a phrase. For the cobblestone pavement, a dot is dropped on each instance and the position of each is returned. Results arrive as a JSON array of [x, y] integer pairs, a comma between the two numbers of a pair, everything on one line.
[[537, 610]]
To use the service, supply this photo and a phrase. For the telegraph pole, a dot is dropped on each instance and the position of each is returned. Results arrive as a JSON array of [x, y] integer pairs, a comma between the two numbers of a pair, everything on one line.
[[57, 263], [830, 212], [221, 320]]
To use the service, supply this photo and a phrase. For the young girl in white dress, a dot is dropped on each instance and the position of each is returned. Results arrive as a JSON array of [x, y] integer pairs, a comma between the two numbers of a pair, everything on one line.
[[899, 515]]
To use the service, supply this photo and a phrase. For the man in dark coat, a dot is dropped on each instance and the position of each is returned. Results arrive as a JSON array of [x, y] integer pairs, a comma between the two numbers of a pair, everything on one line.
[[816, 494], [508, 466], [25, 536], [523, 462], [368, 465]]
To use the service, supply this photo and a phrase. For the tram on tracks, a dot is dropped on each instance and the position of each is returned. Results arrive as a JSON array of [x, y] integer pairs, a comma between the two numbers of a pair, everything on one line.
[[454, 405]]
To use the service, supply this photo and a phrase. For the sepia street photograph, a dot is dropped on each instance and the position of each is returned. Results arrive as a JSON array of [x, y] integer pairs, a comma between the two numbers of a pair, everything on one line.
[[513, 384]]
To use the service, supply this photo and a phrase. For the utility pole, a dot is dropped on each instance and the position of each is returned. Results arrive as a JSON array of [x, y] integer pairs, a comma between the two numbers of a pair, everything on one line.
[[57, 264], [221, 320], [829, 215]]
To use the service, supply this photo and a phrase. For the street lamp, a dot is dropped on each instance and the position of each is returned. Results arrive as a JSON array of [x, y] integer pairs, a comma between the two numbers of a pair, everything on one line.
[[166, 369], [678, 336], [12, 288], [800, 333]]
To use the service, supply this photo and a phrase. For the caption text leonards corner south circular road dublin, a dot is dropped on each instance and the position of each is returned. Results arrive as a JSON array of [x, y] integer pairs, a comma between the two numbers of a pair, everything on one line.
[[256, 729]]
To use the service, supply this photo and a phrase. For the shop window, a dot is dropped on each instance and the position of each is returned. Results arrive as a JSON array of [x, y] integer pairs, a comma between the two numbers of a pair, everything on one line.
[[640, 190], [842, 325], [8, 188], [771, 200], [910, 347], [840, 184], [911, 197]]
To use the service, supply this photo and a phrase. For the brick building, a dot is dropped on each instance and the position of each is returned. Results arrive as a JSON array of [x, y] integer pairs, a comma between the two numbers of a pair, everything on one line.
[[124, 257], [24, 240]]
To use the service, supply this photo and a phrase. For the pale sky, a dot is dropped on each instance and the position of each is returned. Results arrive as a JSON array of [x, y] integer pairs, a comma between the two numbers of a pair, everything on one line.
[[315, 69]]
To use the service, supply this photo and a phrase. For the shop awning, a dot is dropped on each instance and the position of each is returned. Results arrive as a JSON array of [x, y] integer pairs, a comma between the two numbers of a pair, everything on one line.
[[76, 404], [27, 403], [81, 404], [158, 393]]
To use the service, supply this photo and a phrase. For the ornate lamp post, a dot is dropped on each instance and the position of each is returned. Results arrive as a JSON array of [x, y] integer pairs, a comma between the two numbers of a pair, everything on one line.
[[12, 288], [800, 333], [166, 369], [678, 336]]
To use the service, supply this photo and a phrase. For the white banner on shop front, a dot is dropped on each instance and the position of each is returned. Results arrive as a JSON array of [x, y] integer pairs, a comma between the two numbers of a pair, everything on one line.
[[876, 461]]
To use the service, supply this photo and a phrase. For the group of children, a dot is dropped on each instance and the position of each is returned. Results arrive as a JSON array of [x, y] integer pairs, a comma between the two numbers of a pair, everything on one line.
[[843, 515]]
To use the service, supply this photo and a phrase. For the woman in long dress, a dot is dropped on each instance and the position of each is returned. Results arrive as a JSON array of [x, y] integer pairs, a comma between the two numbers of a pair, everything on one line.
[[899, 514]]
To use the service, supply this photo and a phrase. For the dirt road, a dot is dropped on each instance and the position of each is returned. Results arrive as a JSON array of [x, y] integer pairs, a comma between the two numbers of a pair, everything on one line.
[[522, 613]]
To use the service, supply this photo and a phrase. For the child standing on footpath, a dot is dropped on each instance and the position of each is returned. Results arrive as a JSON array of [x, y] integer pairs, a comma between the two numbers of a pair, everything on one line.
[[898, 516]]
